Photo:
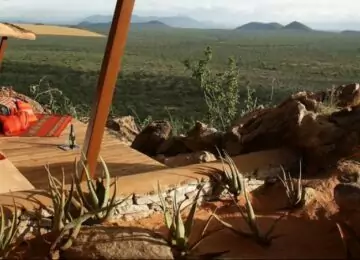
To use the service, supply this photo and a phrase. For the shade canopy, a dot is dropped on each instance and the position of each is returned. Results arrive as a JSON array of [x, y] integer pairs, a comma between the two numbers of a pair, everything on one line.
[[14, 31]]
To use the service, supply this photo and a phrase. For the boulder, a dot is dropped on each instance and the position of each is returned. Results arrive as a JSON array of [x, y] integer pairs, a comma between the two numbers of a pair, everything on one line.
[[100, 242], [203, 138], [347, 196], [173, 146], [349, 171], [152, 137], [189, 158], [348, 95], [125, 127]]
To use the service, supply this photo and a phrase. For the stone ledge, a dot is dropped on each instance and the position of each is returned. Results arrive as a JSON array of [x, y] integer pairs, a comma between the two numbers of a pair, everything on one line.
[[142, 188]]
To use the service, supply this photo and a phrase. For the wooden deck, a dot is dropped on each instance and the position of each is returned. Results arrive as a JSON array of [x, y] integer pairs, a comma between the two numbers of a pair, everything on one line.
[[30, 154]]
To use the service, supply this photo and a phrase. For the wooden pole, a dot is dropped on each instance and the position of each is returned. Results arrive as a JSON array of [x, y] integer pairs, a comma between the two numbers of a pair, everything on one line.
[[3, 45], [107, 80]]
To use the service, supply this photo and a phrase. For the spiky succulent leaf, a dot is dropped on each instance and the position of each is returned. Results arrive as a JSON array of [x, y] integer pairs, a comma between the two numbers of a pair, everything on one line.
[[167, 215], [91, 187], [12, 229], [106, 196], [2, 227], [190, 218]]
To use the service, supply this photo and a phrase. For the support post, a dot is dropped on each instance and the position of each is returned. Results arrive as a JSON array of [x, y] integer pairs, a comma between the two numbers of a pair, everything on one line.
[[106, 83], [3, 45]]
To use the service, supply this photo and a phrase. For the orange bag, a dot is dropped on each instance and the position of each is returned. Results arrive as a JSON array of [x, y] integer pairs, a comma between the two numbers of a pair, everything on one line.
[[26, 107], [16, 123]]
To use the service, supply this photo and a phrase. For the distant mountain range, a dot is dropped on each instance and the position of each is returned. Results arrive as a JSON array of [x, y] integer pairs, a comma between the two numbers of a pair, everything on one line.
[[102, 23], [257, 26], [173, 21]]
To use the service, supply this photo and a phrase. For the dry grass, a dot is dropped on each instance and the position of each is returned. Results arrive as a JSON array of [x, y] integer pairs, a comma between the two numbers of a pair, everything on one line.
[[58, 30]]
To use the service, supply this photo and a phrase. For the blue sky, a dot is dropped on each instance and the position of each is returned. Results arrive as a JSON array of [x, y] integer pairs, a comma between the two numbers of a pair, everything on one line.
[[324, 13]]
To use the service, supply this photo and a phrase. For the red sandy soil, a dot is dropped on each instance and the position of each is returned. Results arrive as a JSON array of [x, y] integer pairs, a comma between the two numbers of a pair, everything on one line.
[[308, 233]]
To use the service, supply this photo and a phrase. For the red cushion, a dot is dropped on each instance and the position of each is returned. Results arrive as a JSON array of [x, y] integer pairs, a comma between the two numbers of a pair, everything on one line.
[[26, 107], [15, 123]]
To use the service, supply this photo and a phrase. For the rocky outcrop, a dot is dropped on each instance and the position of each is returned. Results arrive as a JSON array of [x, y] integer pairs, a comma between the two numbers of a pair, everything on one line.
[[151, 137], [186, 159], [321, 127], [125, 128], [348, 95]]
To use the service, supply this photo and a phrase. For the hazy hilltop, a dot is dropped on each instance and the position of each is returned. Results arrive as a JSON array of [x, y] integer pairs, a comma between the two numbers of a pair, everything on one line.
[[297, 26], [254, 26], [173, 21], [104, 27], [258, 26]]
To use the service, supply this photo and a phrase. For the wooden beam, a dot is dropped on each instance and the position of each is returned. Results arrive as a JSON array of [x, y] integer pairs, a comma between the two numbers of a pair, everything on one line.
[[107, 80], [3, 45]]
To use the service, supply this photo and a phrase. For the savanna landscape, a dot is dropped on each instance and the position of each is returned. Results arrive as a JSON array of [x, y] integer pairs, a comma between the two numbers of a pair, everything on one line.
[[153, 76], [270, 113]]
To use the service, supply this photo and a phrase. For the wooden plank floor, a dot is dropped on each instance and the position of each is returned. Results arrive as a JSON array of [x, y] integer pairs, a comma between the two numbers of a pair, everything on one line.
[[30, 154]]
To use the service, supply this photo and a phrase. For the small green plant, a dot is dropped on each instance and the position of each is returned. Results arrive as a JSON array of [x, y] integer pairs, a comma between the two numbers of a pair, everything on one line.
[[99, 191], [263, 239], [231, 177], [67, 223], [220, 90], [294, 189], [8, 232], [180, 231], [54, 100]]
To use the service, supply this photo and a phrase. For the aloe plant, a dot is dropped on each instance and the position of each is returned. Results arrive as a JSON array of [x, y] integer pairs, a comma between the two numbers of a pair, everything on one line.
[[61, 201], [263, 239], [66, 223], [294, 189], [180, 231], [8, 232], [99, 191], [231, 179]]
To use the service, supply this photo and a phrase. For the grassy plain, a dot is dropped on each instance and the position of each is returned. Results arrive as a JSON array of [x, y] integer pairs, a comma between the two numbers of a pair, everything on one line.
[[154, 81]]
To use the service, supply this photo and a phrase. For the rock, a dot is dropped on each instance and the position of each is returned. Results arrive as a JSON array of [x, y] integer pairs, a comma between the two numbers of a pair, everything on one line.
[[347, 196], [232, 141], [190, 158], [151, 137], [348, 95], [203, 138], [99, 242], [310, 195], [173, 146], [125, 128], [310, 100], [350, 171], [270, 129]]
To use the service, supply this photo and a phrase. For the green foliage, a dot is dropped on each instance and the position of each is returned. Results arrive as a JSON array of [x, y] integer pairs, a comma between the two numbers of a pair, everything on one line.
[[220, 90], [54, 100], [153, 77], [8, 232]]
